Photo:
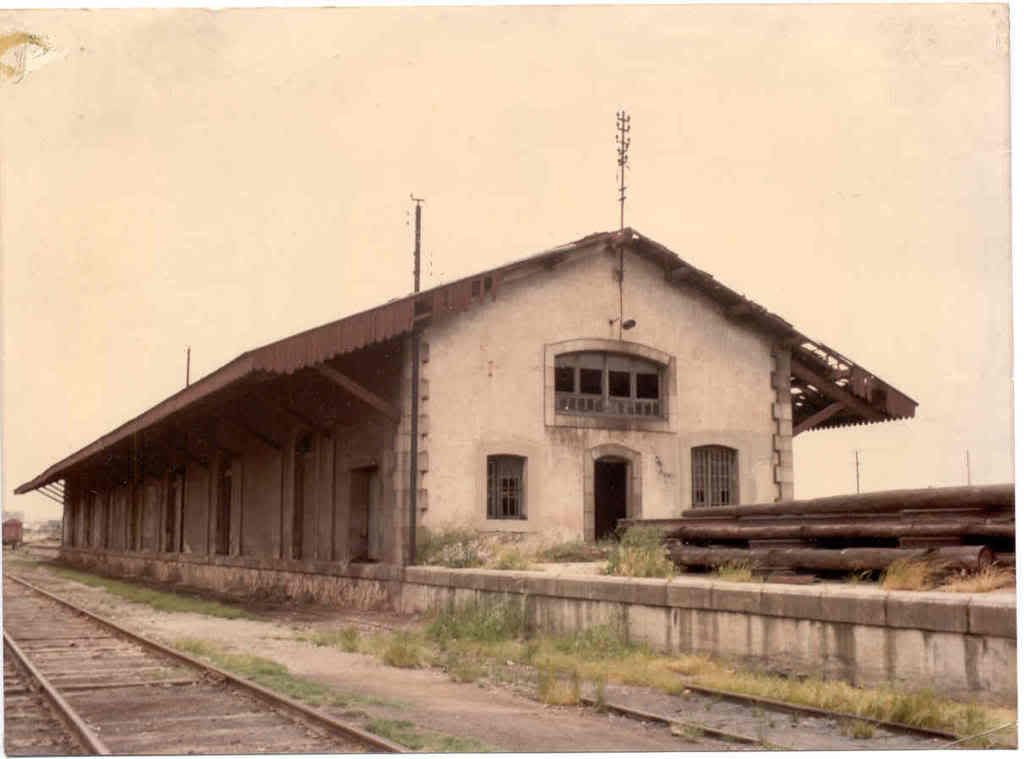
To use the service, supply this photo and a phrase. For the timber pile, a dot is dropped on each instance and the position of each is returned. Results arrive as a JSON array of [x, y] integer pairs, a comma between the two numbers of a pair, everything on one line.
[[961, 527]]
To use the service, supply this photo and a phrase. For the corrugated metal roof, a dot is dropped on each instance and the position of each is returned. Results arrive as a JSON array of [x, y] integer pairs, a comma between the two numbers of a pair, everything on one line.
[[397, 317]]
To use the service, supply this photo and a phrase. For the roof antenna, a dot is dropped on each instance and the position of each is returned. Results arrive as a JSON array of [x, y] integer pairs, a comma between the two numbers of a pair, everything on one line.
[[622, 143], [188, 364]]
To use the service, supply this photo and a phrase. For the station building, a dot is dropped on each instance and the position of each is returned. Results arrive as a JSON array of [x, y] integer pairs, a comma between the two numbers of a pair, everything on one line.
[[602, 379]]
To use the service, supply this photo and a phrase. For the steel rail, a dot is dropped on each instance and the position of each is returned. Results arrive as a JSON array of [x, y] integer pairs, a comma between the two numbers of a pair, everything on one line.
[[71, 719], [265, 694], [788, 706], [714, 732]]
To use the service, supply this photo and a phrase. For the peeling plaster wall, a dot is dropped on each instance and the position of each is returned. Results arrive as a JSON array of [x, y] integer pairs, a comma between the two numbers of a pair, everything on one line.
[[485, 378]]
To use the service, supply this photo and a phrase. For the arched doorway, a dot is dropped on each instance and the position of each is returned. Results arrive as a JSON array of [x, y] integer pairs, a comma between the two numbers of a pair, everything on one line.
[[611, 488]]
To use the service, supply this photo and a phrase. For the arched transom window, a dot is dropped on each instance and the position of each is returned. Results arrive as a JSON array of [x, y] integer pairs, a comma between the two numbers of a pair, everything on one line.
[[600, 383]]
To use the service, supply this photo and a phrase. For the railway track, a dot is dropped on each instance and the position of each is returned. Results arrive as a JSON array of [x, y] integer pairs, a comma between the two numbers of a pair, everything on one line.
[[721, 718], [32, 725], [97, 688]]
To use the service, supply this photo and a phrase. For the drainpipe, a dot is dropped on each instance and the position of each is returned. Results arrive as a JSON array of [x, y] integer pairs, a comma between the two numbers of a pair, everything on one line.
[[414, 422], [413, 443]]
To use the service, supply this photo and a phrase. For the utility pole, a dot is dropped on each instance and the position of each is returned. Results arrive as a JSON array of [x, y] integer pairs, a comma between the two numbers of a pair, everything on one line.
[[856, 458], [967, 454], [188, 364], [414, 427]]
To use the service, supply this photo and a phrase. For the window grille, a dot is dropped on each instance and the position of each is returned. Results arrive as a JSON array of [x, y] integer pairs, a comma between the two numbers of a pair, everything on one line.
[[607, 384], [714, 476], [505, 492]]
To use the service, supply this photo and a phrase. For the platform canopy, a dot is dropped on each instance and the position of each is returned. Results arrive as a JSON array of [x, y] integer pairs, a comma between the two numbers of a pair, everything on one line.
[[828, 389]]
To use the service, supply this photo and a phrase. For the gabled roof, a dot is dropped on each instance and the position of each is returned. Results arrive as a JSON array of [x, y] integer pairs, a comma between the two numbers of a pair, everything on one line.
[[829, 390]]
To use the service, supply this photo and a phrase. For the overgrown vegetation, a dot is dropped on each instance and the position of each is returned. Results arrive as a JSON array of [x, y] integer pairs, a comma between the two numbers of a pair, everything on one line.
[[510, 558], [410, 736], [921, 708], [479, 639], [480, 621], [910, 574], [155, 599], [984, 580], [453, 547], [346, 638], [857, 728], [558, 691], [405, 649], [577, 551], [640, 553], [266, 672], [736, 571]]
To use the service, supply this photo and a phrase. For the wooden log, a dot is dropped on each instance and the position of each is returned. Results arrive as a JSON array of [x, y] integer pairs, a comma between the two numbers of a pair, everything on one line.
[[843, 559], [994, 496], [878, 529]]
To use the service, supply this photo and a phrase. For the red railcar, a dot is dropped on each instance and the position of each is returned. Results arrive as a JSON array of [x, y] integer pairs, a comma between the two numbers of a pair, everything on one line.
[[12, 532]]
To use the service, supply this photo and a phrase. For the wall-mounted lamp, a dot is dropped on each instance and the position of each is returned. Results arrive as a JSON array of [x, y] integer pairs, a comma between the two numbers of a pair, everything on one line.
[[628, 324]]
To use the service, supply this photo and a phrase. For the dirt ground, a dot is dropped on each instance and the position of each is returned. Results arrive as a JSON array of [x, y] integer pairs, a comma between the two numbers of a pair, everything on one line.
[[495, 715]]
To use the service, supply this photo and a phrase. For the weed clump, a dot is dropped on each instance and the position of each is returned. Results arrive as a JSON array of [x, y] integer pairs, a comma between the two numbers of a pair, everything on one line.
[[910, 574], [462, 667], [557, 691], [346, 638], [640, 553], [577, 551], [403, 649], [599, 643], [857, 728], [984, 580], [406, 733], [480, 621], [735, 571], [452, 547], [511, 558]]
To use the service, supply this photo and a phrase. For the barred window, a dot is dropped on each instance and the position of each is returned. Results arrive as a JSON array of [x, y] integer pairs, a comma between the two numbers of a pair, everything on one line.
[[714, 476], [506, 495]]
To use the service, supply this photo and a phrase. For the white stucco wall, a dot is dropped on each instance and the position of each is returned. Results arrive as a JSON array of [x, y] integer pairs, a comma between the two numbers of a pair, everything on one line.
[[487, 376]]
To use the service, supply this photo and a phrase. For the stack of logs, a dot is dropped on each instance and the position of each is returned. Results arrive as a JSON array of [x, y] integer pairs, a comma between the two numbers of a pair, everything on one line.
[[962, 527]]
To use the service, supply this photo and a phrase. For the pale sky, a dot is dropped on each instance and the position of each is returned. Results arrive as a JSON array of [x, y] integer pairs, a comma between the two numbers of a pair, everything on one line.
[[223, 179]]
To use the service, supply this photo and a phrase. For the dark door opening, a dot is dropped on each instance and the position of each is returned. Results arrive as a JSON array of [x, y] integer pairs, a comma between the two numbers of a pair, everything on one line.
[[364, 528], [609, 496]]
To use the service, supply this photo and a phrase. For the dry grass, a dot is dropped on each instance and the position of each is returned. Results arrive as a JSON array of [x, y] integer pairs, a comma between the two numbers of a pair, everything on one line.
[[404, 649], [736, 571], [558, 691], [857, 728], [454, 547], [921, 708], [985, 580], [603, 654], [576, 551], [910, 574], [510, 558], [640, 553], [345, 638]]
